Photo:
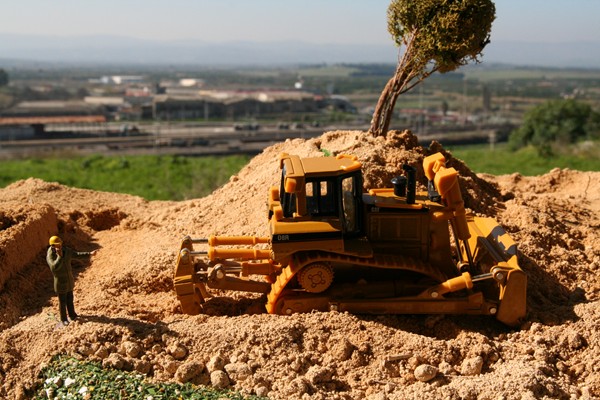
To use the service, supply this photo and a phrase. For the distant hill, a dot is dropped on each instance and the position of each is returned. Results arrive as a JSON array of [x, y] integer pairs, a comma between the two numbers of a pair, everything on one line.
[[118, 50]]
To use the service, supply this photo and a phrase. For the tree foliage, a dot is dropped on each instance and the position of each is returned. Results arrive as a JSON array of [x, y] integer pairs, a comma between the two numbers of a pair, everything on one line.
[[3, 77], [435, 35], [556, 122]]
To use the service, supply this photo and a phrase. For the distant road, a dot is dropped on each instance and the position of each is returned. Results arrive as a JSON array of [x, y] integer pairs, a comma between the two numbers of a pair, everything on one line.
[[192, 139], [184, 139]]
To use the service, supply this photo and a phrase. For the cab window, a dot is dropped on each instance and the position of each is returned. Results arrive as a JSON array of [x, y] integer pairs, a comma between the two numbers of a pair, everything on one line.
[[288, 200], [349, 203], [320, 198]]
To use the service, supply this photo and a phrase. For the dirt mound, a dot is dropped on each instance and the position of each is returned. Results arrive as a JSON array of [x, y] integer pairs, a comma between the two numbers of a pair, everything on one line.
[[130, 317]]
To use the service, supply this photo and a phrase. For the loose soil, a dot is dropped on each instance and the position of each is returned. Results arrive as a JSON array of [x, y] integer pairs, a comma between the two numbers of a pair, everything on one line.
[[131, 318]]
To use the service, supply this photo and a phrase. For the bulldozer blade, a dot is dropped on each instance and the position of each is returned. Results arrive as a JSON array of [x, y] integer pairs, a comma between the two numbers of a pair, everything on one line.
[[512, 308], [493, 248]]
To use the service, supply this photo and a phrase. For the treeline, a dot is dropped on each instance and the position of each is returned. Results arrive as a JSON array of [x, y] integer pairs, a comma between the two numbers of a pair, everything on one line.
[[556, 123]]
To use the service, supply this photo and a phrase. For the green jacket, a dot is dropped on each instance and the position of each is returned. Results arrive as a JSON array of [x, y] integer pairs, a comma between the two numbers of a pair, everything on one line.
[[61, 268]]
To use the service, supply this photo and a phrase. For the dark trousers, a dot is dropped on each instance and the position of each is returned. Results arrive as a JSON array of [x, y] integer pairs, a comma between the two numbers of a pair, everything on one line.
[[65, 303]]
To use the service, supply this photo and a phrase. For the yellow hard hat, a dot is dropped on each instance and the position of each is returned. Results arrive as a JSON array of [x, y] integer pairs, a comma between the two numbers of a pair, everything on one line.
[[55, 240]]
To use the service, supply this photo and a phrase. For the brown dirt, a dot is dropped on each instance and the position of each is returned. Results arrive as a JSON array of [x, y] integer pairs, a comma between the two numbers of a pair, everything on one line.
[[131, 317]]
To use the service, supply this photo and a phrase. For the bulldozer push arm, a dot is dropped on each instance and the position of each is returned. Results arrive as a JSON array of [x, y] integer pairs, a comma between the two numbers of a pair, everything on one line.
[[396, 256]]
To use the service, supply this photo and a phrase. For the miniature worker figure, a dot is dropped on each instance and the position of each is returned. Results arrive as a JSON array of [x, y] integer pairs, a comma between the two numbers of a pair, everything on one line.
[[59, 261]]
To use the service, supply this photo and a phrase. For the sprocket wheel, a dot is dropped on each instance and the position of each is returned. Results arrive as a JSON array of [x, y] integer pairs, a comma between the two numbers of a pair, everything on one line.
[[316, 277]]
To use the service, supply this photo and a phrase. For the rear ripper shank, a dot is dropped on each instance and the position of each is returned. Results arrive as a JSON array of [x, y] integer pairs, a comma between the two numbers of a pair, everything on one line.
[[387, 251]]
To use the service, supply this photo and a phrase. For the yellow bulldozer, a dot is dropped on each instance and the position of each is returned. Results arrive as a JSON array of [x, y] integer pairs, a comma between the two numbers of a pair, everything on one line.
[[333, 246]]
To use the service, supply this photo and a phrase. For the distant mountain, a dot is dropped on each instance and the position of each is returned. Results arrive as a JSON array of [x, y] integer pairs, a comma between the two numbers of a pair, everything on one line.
[[125, 50], [568, 54]]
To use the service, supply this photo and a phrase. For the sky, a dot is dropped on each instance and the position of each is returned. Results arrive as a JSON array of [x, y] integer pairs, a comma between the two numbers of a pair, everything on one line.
[[312, 21]]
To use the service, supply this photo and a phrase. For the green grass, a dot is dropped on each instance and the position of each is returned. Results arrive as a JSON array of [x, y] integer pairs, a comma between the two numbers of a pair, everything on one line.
[[90, 380], [177, 178], [527, 161], [151, 177]]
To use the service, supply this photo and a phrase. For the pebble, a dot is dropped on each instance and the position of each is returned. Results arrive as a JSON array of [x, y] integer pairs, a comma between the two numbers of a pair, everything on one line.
[[188, 371], [219, 379], [143, 367], [132, 349], [576, 341], [171, 366], [319, 374], [85, 349], [446, 368], [425, 372], [261, 391], [216, 363], [472, 366], [102, 352], [69, 382], [115, 361], [238, 371], [178, 351]]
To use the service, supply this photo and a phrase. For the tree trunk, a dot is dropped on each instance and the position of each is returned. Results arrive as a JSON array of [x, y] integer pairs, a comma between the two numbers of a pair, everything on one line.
[[385, 106]]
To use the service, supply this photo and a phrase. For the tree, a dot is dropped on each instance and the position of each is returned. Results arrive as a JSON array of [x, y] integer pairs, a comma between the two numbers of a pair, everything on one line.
[[436, 35], [555, 122], [3, 77]]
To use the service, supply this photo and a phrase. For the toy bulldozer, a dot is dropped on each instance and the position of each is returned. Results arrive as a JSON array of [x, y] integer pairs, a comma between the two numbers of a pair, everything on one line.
[[387, 251]]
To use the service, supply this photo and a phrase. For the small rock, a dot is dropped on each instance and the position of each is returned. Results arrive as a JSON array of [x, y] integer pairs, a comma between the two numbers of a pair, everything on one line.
[[188, 371], [318, 374], [238, 371], [536, 327], [141, 366], [102, 352], [296, 387], [171, 366], [261, 391], [219, 379], [343, 349], [446, 368], [389, 388], [216, 363], [415, 361], [131, 349], [576, 341], [85, 349], [148, 341], [425, 372], [472, 366], [115, 361], [239, 357], [69, 382], [577, 369], [156, 349], [178, 351], [296, 365]]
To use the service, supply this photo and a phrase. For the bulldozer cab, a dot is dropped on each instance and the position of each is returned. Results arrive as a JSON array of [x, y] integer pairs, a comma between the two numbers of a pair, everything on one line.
[[318, 204], [325, 189]]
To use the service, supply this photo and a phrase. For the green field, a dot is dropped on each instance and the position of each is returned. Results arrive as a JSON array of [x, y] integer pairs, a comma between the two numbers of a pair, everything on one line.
[[151, 177], [527, 161], [178, 178]]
